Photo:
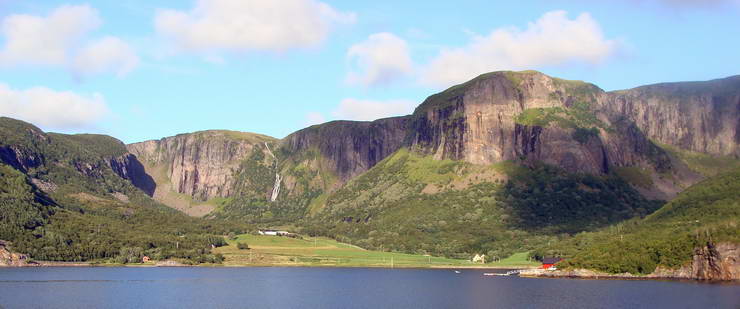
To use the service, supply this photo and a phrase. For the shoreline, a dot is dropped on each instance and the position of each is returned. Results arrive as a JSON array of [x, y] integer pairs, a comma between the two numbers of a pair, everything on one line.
[[585, 274], [525, 272], [177, 264]]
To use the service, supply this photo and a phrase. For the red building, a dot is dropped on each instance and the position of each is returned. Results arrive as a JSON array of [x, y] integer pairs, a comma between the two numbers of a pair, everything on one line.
[[550, 262]]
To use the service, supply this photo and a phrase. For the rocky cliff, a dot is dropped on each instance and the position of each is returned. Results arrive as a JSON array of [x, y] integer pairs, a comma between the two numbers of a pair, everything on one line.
[[350, 147], [698, 116], [523, 117], [528, 116], [200, 165]]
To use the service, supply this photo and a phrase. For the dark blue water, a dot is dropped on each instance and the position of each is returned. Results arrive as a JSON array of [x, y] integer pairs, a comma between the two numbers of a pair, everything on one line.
[[338, 288]]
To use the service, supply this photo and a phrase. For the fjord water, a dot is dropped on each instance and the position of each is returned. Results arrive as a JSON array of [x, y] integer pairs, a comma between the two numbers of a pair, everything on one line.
[[275, 287]]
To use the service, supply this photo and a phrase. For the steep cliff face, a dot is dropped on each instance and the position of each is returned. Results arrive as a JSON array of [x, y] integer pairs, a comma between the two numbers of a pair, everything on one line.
[[200, 165], [711, 262], [310, 164], [128, 167], [528, 116], [350, 147], [698, 116]]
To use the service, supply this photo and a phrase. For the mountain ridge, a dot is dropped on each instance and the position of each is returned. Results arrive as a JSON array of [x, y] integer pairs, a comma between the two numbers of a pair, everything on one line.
[[500, 116]]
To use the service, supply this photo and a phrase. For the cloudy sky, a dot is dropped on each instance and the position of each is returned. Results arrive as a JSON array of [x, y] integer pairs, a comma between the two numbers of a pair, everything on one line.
[[140, 70]]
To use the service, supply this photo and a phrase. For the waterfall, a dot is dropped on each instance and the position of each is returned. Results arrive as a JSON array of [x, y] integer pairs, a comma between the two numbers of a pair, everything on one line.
[[278, 179], [276, 188], [269, 151]]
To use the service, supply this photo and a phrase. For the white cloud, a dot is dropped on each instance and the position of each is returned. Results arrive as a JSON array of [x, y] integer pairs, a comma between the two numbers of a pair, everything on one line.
[[46, 40], [242, 25], [382, 58], [109, 54], [695, 3], [54, 40], [552, 40], [366, 110], [313, 118], [52, 109]]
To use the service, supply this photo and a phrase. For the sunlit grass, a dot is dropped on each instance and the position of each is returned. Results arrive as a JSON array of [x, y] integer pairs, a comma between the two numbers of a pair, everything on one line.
[[320, 251]]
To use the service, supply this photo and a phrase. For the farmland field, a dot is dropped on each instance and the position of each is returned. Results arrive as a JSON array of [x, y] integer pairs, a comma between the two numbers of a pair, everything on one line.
[[320, 251]]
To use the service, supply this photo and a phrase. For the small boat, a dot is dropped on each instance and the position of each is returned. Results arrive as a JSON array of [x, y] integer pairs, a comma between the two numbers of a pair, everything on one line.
[[457, 271], [508, 273]]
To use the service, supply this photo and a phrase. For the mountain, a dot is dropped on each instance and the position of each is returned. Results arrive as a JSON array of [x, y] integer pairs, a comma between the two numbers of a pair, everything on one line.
[[520, 155], [507, 162], [84, 197], [192, 171], [647, 136], [695, 116]]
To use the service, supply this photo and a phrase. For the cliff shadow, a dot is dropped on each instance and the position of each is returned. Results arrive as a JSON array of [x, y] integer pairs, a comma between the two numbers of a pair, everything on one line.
[[140, 179]]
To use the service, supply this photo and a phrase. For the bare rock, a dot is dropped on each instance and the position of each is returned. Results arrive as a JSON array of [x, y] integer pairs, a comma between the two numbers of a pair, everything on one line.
[[199, 164]]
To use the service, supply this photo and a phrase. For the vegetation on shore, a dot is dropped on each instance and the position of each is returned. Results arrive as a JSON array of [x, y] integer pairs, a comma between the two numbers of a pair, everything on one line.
[[706, 212]]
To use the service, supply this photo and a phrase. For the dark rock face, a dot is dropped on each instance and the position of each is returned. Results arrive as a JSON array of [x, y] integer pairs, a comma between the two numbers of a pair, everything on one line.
[[697, 116], [19, 158], [350, 147], [128, 167]]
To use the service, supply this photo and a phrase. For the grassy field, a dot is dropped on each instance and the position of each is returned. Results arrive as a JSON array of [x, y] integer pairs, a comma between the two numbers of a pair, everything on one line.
[[319, 251]]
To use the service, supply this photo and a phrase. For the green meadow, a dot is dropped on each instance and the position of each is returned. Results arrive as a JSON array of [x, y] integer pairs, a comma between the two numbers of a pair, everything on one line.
[[320, 251]]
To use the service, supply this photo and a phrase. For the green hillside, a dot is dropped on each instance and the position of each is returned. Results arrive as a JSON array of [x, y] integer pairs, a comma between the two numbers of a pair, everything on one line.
[[706, 212], [413, 203], [60, 200]]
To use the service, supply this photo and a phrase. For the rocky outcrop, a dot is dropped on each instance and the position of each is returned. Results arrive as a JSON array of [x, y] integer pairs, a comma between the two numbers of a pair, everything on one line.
[[713, 262], [480, 122], [20, 158], [350, 147], [11, 259], [697, 116], [200, 165]]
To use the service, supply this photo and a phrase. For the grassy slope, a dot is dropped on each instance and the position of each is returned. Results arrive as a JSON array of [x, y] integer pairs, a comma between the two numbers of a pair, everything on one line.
[[320, 251], [413, 203], [707, 211], [704, 164]]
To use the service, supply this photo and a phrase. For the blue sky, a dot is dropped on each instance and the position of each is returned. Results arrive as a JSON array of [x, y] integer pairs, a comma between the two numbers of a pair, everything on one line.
[[141, 70]]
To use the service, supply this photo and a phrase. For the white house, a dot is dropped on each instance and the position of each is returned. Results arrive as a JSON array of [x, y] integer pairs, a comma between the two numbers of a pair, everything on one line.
[[273, 233]]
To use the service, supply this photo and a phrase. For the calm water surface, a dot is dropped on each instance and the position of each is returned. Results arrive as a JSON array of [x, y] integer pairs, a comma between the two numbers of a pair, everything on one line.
[[276, 287]]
